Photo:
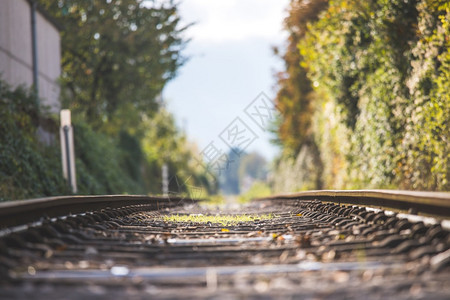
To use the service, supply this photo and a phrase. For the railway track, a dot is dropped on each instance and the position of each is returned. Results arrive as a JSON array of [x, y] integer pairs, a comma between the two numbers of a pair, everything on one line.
[[317, 245]]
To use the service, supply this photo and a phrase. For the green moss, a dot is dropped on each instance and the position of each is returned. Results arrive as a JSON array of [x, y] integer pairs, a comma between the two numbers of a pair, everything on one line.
[[225, 220]]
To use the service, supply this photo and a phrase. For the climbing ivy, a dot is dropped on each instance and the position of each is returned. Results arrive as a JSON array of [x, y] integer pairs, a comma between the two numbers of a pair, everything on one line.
[[28, 168], [380, 72]]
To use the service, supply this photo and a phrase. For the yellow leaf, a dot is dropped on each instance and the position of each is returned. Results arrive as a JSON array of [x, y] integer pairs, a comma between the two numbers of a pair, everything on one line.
[[225, 230]]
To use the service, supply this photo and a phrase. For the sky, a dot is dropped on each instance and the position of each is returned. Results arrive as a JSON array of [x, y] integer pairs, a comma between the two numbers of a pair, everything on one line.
[[230, 68]]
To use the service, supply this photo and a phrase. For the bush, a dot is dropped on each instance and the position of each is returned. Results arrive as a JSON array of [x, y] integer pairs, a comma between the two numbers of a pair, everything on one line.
[[27, 167], [30, 169], [259, 189], [100, 164], [121, 163]]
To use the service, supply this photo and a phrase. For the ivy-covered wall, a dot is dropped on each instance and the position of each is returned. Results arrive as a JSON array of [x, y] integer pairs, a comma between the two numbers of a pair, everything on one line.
[[27, 167], [380, 75]]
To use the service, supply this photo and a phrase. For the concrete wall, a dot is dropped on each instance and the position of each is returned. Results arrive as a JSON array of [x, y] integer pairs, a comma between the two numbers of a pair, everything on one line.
[[16, 63]]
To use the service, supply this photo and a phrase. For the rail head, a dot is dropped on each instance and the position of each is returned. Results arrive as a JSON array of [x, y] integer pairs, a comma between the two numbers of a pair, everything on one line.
[[14, 213], [431, 203]]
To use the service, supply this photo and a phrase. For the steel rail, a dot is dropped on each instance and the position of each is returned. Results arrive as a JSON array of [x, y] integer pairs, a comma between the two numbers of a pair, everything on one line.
[[14, 213], [433, 203]]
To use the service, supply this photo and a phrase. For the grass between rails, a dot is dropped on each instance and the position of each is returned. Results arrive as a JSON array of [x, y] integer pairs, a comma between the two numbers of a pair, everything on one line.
[[224, 220]]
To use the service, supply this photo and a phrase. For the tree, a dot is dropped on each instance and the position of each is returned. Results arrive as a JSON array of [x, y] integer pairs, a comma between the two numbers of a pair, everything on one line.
[[296, 98], [116, 54], [295, 94]]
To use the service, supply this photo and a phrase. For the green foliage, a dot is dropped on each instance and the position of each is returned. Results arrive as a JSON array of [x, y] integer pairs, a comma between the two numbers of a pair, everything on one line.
[[163, 143], [116, 58], [116, 53], [296, 101], [296, 173], [108, 165], [380, 71], [105, 165], [295, 95], [259, 189], [102, 166], [27, 167], [427, 129], [30, 169]]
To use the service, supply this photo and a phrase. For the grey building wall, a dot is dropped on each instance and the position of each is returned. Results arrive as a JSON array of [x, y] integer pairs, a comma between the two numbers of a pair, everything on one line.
[[16, 63]]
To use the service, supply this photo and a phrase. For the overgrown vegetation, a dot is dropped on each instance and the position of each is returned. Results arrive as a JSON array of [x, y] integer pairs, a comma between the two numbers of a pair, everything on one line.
[[370, 80], [117, 57], [105, 165], [27, 167]]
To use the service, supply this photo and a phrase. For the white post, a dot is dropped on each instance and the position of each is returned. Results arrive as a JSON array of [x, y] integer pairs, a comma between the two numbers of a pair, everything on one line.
[[165, 180], [67, 149]]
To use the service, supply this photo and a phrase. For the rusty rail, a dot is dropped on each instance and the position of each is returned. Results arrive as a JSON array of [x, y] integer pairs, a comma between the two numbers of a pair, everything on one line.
[[433, 203], [14, 213]]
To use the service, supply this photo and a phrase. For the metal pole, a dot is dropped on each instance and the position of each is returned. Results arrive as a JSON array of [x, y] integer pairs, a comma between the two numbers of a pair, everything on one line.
[[69, 170], [34, 51]]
